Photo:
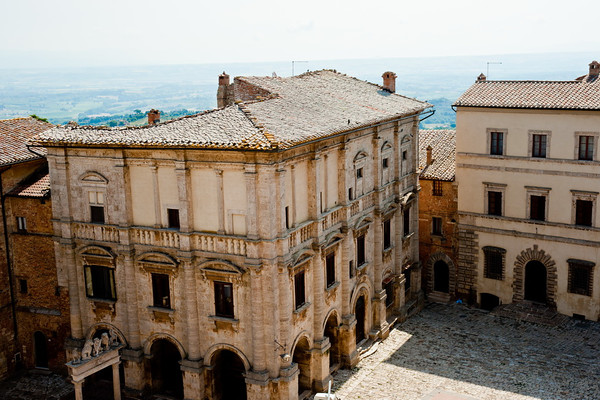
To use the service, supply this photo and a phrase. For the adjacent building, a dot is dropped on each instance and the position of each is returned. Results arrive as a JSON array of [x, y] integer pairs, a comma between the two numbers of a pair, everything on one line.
[[527, 166], [248, 251], [34, 308], [438, 215]]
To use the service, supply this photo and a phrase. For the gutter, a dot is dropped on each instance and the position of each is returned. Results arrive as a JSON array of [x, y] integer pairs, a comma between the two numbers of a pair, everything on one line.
[[8, 260]]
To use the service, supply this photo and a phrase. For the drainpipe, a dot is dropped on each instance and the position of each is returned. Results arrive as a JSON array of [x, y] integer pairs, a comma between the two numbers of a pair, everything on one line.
[[8, 261]]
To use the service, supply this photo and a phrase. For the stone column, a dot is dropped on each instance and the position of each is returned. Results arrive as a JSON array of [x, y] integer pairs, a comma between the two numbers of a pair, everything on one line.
[[379, 297], [157, 217], [116, 382], [318, 293], [66, 250], [193, 379], [220, 201], [320, 364], [133, 368], [132, 323], [78, 389], [347, 340], [252, 211], [191, 306]]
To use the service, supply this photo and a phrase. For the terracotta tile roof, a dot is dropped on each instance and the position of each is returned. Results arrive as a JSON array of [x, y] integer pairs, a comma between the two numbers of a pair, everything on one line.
[[580, 94], [14, 134], [35, 185], [299, 109], [443, 144]]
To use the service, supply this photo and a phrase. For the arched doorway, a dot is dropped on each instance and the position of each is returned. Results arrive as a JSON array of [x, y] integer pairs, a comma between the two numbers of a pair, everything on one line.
[[302, 358], [332, 332], [441, 277], [165, 369], [535, 281], [360, 313], [229, 382], [41, 350]]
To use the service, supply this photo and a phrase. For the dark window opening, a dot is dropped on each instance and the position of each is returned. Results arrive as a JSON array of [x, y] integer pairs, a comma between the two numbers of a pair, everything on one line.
[[173, 217], [330, 269], [321, 202], [160, 290], [299, 289], [537, 208], [583, 212], [389, 292], [100, 282], [97, 214], [586, 148], [23, 286], [406, 221], [493, 262], [287, 217], [359, 173], [351, 269], [404, 155], [360, 250], [580, 277], [495, 203], [385, 163], [539, 146], [350, 197], [387, 233], [224, 299], [497, 143], [437, 188], [21, 224], [436, 226], [407, 281]]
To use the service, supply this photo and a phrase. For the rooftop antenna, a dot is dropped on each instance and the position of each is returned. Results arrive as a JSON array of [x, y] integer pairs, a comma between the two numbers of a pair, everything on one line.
[[293, 62], [487, 74]]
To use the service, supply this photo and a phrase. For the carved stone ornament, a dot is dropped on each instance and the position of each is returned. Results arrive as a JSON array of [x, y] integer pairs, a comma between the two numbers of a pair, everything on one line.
[[86, 352]]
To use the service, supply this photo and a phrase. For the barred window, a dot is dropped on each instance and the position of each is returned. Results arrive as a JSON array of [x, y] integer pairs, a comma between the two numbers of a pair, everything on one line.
[[581, 276], [437, 188], [493, 266]]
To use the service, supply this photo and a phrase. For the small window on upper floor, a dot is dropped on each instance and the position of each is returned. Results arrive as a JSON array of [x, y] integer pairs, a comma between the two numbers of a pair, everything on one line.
[[96, 201], [359, 173], [224, 299], [496, 143], [330, 268], [173, 217], [437, 188], [160, 290], [436, 226], [406, 221], [387, 233], [404, 155], [537, 210], [360, 250], [539, 143], [299, 290], [494, 203], [23, 286], [100, 282], [583, 212], [21, 224], [385, 163], [586, 148]]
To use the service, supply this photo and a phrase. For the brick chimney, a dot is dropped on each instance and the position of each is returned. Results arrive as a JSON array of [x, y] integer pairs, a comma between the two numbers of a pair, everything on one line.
[[222, 91], [594, 68], [429, 155], [389, 81], [153, 117], [481, 77]]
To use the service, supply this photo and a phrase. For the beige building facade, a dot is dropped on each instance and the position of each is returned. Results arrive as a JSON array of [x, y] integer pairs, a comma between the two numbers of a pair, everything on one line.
[[527, 167], [245, 252]]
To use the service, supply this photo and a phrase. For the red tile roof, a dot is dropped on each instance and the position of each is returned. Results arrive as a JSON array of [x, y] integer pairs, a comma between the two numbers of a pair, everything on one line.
[[443, 152], [580, 94], [14, 135], [35, 185]]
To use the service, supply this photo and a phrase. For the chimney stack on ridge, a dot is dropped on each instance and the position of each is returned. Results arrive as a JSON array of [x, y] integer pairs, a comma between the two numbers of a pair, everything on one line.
[[389, 81], [153, 117], [481, 77], [223, 90], [594, 68], [429, 155]]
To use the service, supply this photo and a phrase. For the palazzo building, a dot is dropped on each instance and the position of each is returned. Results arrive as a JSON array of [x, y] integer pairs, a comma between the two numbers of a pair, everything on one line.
[[528, 171], [248, 251]]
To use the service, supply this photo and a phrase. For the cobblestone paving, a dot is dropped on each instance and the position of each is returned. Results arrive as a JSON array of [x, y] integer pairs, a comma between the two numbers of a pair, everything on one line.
[[453, 352]]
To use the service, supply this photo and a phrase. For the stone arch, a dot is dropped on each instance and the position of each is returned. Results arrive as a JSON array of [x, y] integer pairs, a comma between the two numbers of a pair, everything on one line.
[[440, 256], [333, 312], [386, 146], [98, 251], [212, 350], [299, 337], [363, 285], [535, 254], [108, 327], [221, 266], [362, 222], [93, 177], [156, 257], [360, 156], [301, 257], [332, 238], [148, 344]]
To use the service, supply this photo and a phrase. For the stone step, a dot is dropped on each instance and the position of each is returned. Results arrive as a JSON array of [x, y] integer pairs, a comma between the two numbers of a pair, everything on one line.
[[531, 312]]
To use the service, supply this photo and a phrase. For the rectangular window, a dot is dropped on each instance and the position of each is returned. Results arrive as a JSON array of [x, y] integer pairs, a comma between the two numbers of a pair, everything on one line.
[[497, 143], [436, 226], [359, 173], [388, 285], [21, 224], [586, 148], [539, 146], [387, 233], [96, 200], [494, 203], [160, 291], [437, 188], [583, 212], [406, 221], [385, 163], [287, 217], [299, 290], [580, 277], [330, 269], [350, 197], [537, 208], [360, 250], [407, 281], [351, 269], [173, 217], [404, 155], [100, 282], [23, 286], [493, 263], [224, 299]]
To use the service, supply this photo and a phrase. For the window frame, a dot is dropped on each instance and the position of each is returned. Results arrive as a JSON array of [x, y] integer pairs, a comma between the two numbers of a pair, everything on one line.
[[541, 151], [543, 192], [583, 196], [437, 188], [436, 226], [159, 301], [587, 267], [406, 225], [173, 218], [595, 136], [361, 249], [494, 187], [493, 270], [21, 224], [330, 269], [500, 150], [299, 289], [108, 272], [97, 207], [222, 309], [387, 233]]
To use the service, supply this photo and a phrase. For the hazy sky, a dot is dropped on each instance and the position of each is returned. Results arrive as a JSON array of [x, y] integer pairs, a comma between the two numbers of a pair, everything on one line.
[[40, 33]]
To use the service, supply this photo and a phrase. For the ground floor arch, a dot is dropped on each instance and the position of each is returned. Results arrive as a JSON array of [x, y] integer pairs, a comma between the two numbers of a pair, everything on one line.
[[360, 312], [441, 277], [302, 357], [535, 281], [40, 346], [332, 332], [535, 277], [228, 376], [165, 371]]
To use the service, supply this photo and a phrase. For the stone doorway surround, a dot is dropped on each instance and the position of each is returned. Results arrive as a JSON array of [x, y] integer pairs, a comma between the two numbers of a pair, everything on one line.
[[534, 254]]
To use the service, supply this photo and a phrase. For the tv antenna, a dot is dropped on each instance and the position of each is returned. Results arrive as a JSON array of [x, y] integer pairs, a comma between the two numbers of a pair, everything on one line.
[[293, 62], [487, 73]]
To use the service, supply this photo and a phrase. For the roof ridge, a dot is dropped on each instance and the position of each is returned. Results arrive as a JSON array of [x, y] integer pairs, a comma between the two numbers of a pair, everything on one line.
[[254, 121]]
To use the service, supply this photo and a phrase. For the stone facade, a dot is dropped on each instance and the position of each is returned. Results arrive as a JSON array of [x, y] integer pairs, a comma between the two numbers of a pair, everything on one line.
[[239, 273], [527, 170]]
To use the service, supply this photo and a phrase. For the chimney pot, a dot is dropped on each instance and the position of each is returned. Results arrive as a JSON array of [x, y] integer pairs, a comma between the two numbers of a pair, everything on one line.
[[429, 155], [481, 77], [389, 81], [594, 68], [223, 79], [153, 117]]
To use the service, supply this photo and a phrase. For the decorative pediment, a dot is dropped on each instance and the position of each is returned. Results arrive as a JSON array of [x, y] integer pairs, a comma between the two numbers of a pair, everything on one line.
[[405, 139], [221, 270], [333, 239], [93, 177], [389, 210], [157, 262], [387, 146], [301, 258], [97, 255], [361, 156], [362, 224]]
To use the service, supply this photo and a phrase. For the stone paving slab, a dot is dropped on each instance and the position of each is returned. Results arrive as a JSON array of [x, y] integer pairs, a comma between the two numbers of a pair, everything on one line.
[[454, 351]]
